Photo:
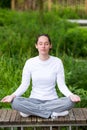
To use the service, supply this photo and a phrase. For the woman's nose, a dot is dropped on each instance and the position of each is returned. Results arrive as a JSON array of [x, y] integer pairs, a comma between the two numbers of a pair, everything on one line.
[[43, 45]]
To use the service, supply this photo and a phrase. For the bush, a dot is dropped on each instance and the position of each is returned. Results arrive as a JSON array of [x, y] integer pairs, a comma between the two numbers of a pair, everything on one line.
[[75, 75], [75, 71], [72, 12], [68, 13], [75, 42], [18, 31]]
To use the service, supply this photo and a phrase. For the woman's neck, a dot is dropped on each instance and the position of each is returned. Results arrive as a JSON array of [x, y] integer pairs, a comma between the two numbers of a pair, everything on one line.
[[44, 57]]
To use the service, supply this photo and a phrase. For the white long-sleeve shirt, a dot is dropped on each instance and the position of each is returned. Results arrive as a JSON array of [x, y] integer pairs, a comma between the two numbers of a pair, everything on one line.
[[44, 75]]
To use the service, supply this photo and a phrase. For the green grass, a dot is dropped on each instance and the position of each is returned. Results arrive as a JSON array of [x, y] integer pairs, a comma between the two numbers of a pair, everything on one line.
[[18, 31]]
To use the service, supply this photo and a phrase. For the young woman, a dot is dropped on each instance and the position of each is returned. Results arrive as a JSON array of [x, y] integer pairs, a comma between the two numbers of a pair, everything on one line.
[[45, 71]]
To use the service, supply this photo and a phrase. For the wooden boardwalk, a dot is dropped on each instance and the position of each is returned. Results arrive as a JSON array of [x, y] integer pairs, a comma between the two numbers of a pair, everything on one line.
[[11, 118]]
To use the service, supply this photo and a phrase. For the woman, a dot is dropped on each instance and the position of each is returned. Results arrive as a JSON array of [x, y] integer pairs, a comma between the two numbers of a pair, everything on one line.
[[45, 71]]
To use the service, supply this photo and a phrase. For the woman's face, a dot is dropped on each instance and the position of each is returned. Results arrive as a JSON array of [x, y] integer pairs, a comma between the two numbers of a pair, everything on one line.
[[43, 45]]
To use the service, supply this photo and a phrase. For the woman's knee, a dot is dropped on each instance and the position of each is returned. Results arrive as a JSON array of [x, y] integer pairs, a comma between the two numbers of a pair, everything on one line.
[[15, 103], [71, 103], [68, 103]]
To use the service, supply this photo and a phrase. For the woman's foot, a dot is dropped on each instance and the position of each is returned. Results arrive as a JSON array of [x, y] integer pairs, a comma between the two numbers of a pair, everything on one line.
[[55, 114], [24, 115]]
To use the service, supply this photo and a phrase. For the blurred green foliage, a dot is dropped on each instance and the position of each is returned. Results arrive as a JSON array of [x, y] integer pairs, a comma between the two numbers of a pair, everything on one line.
[[75, 42], [5, 3], [18, 32]]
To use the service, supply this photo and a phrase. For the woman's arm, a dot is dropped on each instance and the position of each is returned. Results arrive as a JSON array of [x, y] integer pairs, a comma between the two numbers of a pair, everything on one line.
[[62, 86], [23, 87]]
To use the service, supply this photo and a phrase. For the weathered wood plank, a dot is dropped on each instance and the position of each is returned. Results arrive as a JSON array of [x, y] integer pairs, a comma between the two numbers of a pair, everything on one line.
[[77, 116], [8, 115], [72, 117], [0, 112], [58, 120], [23, 120], [80, 118], [85, 113], [29, 120], [47, 121], [33, 119], [13, 116], [39, 120], [3, 116], [67, 119], [17, 119]]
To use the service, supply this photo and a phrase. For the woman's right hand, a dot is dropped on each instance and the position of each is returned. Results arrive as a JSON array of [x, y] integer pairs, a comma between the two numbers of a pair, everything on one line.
[[8, 98]]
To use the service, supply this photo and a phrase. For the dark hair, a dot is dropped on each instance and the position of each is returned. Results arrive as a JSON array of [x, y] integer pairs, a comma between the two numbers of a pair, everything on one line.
[[46, 35]]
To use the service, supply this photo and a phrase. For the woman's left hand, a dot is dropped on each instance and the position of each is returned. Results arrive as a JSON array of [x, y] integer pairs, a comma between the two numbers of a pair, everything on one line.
[[75, 98]]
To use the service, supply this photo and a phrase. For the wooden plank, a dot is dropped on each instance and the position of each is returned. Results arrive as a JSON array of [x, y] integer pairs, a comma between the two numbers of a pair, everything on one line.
[[80, 118], [17, 119], [85, 113], [72, 117], [39, 120], [47, 121], [67, 119], [0, 112], [28, 120], [59, 120], [13, 116], [33, 119], [3, 116], [8, 115], [23, 120]]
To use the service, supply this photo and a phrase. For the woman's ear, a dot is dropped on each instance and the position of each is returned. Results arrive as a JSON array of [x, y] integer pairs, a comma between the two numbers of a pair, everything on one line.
[[51, 46]]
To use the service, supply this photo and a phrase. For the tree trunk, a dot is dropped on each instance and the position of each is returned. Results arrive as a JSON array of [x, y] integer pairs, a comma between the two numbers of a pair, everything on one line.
[[86, 6], [49, 4], [12, 4], [40, 4], [25, 5]]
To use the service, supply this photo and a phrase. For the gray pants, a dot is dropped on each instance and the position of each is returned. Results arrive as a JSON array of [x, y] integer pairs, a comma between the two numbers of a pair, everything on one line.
[[41, 108]]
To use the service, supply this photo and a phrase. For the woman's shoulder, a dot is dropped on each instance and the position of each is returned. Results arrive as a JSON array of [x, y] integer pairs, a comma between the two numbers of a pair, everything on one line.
[[32, 59], [56, 59]]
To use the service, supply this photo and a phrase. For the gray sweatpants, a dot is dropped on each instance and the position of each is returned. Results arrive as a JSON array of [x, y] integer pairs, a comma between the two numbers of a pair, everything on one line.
[[41, 108]]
